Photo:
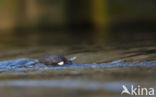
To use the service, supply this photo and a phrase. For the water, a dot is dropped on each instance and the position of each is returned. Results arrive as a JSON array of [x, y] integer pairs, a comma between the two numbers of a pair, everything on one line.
[[32, 64], [102, 66]]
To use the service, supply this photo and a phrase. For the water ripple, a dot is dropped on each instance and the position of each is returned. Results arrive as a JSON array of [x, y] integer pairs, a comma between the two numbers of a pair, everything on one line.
[[26, 64]]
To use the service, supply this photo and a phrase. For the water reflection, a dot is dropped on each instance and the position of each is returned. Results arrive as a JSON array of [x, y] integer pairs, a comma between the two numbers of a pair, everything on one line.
[[114, 42], [84, 85]]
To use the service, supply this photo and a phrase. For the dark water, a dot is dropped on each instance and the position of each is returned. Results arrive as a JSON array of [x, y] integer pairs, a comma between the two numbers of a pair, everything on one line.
[[104, 63]]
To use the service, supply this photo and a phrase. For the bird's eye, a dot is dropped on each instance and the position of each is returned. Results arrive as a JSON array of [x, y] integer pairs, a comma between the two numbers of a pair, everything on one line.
[[60, 63]]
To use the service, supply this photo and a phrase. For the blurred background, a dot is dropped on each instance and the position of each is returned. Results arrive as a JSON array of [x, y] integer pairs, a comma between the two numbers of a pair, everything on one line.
[[94, 31], [25, 23]]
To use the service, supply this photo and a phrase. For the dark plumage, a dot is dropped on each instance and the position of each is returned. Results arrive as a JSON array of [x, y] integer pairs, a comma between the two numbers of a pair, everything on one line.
[[54, 59]]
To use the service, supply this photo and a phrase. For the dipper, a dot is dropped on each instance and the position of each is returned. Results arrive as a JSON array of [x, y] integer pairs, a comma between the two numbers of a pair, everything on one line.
[[55, 59]]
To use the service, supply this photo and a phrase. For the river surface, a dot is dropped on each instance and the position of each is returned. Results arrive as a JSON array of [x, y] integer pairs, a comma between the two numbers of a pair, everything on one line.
[[103, 65]]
